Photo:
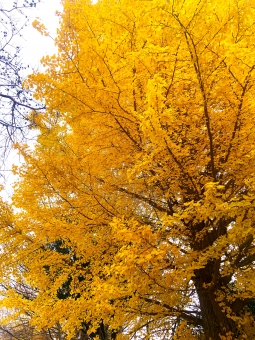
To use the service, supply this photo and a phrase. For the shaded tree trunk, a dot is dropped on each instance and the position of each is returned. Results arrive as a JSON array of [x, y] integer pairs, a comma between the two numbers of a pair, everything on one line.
[[103, 332], [215, 321]]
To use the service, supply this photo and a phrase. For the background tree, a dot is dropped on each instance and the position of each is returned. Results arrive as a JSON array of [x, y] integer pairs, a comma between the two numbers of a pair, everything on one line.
[[144, 168], [15, 102], [15, 325], [21, 330]]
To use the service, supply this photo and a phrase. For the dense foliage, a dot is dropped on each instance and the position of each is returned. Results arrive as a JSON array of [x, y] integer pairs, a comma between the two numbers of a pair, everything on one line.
[[136, 206]]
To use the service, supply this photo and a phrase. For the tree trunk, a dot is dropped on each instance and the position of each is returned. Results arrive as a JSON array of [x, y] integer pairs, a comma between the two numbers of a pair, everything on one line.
[[215, 322]]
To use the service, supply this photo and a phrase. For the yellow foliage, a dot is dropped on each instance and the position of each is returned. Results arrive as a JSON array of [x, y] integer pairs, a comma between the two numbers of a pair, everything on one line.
[[138, 198]]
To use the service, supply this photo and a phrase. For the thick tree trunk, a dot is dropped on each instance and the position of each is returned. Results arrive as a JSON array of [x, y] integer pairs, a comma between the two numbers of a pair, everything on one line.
[[215, 321]]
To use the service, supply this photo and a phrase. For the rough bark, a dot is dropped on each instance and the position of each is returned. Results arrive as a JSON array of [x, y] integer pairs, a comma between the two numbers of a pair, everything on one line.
[[215, 321]]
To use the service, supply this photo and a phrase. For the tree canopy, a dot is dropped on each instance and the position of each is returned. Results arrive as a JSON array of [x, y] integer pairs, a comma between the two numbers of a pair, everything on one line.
[[136, 206]]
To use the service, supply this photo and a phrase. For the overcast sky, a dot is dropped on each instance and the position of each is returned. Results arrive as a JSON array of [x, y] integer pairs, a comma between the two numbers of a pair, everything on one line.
[[33, 47]]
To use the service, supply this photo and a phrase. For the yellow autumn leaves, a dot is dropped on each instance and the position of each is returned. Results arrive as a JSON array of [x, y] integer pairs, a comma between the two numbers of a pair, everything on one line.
[[136, 206]]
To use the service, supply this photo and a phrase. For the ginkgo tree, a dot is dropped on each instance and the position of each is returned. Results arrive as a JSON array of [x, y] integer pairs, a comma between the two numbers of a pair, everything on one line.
[[144, 169]]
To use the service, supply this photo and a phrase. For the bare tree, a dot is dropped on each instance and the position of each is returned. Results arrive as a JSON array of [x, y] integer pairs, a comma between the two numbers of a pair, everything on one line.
[[20, 329], [15, 101]]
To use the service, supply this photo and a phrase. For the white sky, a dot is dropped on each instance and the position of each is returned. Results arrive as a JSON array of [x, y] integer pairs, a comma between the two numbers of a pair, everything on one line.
[[33, 47], [34, 44]]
